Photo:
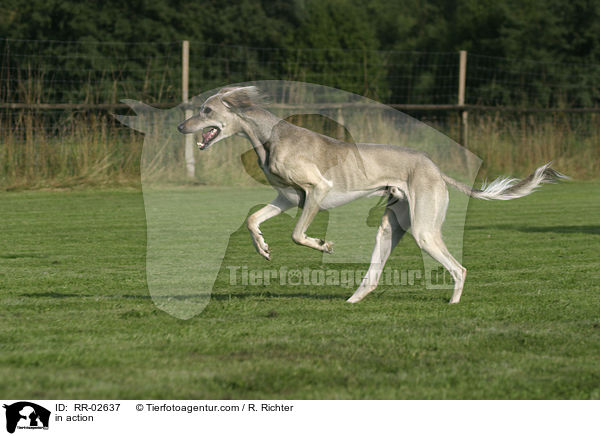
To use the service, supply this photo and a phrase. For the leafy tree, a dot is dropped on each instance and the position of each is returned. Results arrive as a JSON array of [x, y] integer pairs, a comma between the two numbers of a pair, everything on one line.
[[401, 51]]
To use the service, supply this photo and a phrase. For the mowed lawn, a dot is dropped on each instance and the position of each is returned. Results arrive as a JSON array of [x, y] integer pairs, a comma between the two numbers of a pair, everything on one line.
[[77, 320]]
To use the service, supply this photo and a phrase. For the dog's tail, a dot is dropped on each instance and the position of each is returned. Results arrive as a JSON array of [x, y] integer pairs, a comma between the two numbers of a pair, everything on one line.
[[504, 188]]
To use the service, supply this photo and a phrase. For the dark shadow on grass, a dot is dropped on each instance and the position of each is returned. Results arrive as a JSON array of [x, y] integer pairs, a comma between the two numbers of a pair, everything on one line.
[[267, 294], [22, 256], [415, 296], [408, 296], [71, 295], [592, 230], [225, 296], [218, 297], [53, 295]]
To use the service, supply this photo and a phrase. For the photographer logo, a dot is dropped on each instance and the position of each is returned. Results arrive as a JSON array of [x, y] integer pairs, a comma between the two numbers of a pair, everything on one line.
[[25, 415]]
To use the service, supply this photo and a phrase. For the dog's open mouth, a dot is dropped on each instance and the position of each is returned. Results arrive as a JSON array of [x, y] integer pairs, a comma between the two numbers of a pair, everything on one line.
[[208, 135]]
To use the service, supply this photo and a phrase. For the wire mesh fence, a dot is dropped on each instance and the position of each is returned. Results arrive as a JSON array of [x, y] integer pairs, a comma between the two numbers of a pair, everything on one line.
[[532, 84], [56, 96], [93, 72], [390, 77], [88, 72]]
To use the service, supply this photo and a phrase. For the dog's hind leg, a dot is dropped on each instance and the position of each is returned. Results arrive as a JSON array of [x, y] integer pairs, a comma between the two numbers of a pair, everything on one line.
[[394, 224], [428, 210], [277, 206]]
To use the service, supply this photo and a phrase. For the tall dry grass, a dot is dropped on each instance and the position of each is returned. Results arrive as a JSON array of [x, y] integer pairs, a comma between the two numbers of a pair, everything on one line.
[[39, 150], [516, 144], [48, 149]]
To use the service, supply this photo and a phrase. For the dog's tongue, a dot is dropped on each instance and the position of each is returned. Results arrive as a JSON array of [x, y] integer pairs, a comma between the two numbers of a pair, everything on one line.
[[206, 136]]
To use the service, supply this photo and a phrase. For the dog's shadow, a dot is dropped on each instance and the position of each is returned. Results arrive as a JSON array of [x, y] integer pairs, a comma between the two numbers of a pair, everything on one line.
[[585, 229]]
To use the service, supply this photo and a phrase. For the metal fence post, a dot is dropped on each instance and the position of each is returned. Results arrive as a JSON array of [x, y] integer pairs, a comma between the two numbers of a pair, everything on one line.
[[464, 114], [190, 164]]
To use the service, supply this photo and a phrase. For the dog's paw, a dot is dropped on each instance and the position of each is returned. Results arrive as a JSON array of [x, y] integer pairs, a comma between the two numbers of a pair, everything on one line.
[[326, 246], [265, 253], [262, 247]]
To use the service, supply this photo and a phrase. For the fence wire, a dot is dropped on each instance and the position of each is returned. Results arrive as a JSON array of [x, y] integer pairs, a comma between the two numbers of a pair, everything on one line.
[[36, 72], [527, 83]]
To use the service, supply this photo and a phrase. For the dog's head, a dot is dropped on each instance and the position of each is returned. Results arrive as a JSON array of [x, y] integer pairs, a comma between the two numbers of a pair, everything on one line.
[[221, 115]]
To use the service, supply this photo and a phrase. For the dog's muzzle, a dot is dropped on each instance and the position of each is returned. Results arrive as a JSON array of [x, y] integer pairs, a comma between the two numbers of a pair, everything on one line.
[[182, 128]]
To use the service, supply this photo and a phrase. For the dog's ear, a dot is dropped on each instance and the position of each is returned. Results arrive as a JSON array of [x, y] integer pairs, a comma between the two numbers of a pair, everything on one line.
[[239, 98]]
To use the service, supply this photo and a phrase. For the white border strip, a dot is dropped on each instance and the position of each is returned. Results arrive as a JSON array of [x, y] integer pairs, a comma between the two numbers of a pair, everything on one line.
[[276, 417]]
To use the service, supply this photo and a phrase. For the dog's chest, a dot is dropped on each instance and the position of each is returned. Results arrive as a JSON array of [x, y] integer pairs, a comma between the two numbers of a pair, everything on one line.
[[282, 167], [274, 179]]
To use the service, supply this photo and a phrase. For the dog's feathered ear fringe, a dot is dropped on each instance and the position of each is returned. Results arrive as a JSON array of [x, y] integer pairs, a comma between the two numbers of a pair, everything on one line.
[[241, 97]]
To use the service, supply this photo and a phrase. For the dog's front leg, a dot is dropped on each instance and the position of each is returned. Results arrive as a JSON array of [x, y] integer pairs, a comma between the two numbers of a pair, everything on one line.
[[312, 204], [277, 206]]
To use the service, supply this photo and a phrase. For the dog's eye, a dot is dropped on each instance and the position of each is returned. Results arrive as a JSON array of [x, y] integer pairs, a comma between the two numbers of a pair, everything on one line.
[[207, 110]]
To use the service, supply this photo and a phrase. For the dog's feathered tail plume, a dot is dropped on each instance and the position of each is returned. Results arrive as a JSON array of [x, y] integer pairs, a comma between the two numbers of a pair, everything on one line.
[[504, 188]]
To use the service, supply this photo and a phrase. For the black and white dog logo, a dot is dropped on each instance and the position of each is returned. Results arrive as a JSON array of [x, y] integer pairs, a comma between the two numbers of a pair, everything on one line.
[[26, 415]]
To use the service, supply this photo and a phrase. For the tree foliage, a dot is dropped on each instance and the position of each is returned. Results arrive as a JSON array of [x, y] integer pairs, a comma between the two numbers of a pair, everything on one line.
[[356, 45]]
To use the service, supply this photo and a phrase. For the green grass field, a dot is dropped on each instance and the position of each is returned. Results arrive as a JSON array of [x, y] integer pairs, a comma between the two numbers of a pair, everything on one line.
[[77, 320]]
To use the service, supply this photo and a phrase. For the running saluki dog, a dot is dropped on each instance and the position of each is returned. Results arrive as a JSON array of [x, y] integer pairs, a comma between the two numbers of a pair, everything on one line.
[[317, 172]]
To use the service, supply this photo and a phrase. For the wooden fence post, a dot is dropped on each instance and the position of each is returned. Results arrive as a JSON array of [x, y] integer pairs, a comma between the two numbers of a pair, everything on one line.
[[464, 114], [190, 164]]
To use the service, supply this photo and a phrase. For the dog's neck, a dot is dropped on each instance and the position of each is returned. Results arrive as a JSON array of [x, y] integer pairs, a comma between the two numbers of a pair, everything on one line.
[[258, 127]]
